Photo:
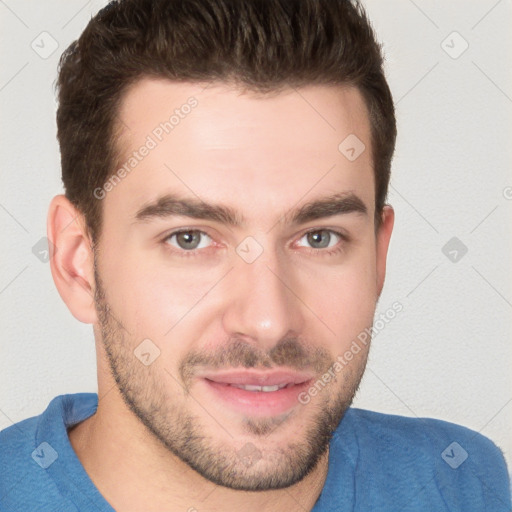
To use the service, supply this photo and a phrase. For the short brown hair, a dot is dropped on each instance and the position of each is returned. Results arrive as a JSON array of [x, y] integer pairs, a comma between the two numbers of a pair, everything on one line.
[[265, 45]]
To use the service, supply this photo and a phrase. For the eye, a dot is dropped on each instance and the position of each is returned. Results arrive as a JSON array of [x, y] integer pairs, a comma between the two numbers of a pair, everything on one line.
[[188, 240], [322, 238]]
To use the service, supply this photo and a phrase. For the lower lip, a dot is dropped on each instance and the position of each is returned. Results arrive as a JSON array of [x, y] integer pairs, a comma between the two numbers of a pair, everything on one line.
[[257, 403]]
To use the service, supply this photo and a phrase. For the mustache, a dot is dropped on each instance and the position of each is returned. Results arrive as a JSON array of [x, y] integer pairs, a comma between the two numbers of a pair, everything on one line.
[[289, 352]]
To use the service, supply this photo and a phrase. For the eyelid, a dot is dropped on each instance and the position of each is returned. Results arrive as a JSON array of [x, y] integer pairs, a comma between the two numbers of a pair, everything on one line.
[[342, 233], [177, 231]]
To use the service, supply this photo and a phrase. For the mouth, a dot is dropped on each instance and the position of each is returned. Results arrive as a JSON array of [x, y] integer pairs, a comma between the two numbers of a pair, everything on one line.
[[265, 389], [257, 393]]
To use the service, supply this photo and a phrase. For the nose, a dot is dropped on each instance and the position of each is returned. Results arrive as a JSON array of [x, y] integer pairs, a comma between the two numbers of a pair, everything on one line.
[[264, 303]]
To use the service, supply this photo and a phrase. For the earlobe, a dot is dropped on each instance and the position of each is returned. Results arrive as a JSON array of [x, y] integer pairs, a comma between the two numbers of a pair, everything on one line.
[[72, 261], [383, 238]]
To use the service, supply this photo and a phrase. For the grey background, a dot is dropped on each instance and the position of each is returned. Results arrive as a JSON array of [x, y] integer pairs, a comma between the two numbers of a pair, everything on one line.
[[447, 354]]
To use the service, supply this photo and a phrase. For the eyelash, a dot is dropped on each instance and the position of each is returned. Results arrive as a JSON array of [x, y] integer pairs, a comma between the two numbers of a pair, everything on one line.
[[197, 252]]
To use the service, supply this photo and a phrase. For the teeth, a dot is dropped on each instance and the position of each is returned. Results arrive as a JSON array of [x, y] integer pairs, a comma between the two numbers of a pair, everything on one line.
[[266, 389]]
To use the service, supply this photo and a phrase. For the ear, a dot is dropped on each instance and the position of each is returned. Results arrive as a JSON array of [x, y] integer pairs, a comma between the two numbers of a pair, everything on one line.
[[72, 261], [383, 237]]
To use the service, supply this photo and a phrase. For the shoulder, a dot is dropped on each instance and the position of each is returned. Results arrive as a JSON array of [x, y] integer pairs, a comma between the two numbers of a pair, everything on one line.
[[15, 443], [423, 433], [433, 436], [28, 450], [423, 456], [22, 483]]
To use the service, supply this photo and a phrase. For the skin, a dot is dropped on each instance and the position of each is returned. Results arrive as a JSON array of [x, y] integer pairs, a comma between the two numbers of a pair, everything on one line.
[[159, 440]]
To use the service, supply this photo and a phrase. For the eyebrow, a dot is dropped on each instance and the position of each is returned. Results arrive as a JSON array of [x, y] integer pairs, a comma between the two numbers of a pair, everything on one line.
[[330, 206], [172, 205]]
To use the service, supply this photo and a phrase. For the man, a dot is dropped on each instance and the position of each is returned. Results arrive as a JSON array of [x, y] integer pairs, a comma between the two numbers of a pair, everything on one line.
[[225, 231]]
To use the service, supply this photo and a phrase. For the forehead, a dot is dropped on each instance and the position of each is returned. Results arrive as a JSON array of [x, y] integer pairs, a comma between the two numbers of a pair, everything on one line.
[[223, 145]]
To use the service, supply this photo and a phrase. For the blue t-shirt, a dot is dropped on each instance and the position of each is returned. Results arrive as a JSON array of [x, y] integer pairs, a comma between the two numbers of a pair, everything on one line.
[[377, 462]]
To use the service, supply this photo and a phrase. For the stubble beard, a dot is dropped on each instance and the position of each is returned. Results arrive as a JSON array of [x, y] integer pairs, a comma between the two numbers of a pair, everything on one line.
[[259, 465]]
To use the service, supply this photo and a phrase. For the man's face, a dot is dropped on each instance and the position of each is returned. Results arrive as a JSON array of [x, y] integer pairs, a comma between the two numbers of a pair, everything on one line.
[[265, 289]]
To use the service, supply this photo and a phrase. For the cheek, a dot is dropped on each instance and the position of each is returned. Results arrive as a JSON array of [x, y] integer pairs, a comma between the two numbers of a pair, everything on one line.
[[345, 300], [156, 302]]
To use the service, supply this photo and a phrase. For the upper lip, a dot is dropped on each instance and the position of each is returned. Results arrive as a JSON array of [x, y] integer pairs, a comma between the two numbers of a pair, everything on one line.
[[258, 378]]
